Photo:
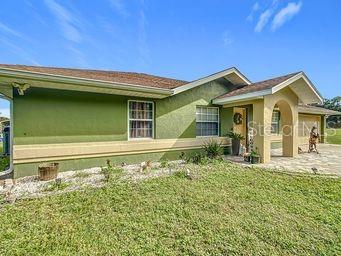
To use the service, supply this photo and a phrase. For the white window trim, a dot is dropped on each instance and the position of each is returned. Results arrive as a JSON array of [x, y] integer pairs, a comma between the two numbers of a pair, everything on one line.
[[277, 123], [209, 136], [146, 101]]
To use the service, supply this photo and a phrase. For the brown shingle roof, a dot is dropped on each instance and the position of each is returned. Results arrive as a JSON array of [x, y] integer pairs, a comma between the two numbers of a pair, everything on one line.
[[308, 109], [258, 86], [106, 76]]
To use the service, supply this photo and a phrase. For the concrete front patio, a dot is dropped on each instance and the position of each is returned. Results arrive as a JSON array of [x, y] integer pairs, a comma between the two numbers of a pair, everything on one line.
[[328, 161]]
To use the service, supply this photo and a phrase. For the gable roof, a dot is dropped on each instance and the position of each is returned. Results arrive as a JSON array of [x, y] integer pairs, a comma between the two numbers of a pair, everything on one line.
[[105, 76], [232, 75], [298, 82], [259, 86]]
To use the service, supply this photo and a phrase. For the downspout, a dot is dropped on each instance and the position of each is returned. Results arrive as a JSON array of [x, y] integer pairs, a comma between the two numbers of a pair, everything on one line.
[[9, 172]]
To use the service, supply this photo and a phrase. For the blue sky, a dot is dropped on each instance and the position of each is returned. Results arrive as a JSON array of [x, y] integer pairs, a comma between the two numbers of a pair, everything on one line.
[[179, 39]]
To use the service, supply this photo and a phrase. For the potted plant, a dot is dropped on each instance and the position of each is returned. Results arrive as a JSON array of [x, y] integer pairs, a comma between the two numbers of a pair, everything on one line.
[[247, 157], [254, 157], [236, 138]]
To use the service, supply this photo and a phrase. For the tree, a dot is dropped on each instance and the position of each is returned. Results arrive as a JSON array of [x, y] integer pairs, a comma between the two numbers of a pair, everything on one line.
[[333, 104]]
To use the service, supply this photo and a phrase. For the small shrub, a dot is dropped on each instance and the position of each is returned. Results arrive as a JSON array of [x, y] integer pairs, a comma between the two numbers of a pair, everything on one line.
[[180, 174], [56, 185], [205, 160], [202, 159], [235, 136], [4, 163], [109, 171], [196, 158], [164, 164], [187, 174], [212, 149], [182, 156]]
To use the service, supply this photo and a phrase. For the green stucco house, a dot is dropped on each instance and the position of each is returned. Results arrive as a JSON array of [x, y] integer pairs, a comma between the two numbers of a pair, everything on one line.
[[81, 118]]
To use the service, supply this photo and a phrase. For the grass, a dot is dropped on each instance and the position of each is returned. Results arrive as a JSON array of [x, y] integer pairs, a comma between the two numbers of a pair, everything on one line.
[[334, 136], [228, 210]]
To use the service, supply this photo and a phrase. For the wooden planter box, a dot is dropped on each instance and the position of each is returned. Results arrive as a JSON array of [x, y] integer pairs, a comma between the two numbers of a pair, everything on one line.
[[48, 171]]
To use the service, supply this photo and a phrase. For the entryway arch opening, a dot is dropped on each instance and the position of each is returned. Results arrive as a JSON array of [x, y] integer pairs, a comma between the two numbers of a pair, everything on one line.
[[282, 130], [6, 135]]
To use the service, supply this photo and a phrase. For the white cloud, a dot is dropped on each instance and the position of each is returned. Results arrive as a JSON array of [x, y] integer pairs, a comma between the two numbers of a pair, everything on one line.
[[25, 54], [4, 112], [143, 47], [263, 20], [6, 29], [254, 9], [286, 14], [119, 7], [68, 23]]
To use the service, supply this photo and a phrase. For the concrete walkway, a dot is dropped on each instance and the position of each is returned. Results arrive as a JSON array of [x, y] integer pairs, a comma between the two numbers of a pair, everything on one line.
[[328, 161]]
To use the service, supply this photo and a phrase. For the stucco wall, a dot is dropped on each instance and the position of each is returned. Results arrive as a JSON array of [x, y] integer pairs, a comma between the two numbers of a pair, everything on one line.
[[175, 116], [54, 116], [21, 170], [49, 116]]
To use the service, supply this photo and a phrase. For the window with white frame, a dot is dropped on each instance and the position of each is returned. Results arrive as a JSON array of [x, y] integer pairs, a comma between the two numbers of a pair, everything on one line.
[[141, 118], [275, 122], [207, 121]]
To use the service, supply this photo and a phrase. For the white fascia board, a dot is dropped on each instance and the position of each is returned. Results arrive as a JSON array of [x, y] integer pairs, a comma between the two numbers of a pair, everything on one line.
[[20, 74], [295, 78], [286, 82], [242, 97], [313, 87], [209, 79]]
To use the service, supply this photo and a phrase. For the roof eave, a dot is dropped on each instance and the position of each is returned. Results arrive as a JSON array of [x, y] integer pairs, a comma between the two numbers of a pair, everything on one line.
[[317, 111], [241, 97], [64, 80]]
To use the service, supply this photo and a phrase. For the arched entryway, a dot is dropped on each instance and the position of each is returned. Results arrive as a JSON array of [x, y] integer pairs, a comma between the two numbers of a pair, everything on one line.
[[286, 102], [283, 129]]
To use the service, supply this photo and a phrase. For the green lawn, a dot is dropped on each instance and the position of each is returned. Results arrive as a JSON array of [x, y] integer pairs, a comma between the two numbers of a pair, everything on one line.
[[227, 210], [334, 136]]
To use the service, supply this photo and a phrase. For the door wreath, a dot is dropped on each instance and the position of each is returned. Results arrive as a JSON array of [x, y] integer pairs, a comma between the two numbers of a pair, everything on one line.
[[238, 118]]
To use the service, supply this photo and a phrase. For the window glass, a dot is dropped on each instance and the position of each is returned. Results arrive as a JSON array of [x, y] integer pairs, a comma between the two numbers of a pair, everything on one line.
[[275, 122], [141, 119], [207, 121]]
